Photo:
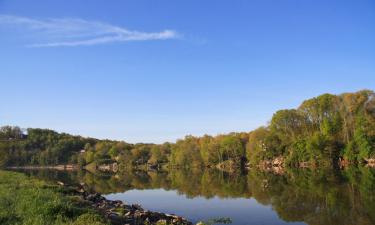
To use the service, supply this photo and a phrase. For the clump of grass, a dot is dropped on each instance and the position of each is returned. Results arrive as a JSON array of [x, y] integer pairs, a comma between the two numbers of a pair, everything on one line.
[[214, 221], [89, 218], [25, 200]]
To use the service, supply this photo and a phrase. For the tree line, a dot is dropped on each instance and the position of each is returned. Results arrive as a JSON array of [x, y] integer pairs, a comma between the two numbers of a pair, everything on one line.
[[320, 132]]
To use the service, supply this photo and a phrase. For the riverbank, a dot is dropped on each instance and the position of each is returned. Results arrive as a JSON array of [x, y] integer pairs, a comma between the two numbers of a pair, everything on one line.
[[24, 200], [69, 167], [118, 213]]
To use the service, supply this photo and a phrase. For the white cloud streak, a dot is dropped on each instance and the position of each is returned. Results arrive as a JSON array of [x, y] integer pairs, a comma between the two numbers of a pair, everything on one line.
[[78, 32]]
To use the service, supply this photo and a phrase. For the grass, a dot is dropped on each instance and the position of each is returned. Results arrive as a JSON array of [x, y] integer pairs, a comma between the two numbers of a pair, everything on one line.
[[25, 200]]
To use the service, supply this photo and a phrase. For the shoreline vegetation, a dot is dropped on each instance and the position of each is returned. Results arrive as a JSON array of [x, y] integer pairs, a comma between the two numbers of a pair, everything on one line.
[[25, 200], [326, 131]]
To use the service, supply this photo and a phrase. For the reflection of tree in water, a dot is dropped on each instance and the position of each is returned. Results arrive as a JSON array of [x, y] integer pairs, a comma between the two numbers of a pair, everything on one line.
[[318, 197], [315, 197]]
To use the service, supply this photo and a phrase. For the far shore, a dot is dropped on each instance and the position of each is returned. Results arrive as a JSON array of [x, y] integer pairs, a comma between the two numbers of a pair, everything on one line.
[[69, 167]]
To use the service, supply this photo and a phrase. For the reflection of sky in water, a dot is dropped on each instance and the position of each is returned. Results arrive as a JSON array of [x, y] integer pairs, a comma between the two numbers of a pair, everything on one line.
[[242, 211], [318, 197]]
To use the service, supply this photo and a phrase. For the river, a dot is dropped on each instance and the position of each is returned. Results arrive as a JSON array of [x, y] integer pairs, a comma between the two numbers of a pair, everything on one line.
[[314, 197]]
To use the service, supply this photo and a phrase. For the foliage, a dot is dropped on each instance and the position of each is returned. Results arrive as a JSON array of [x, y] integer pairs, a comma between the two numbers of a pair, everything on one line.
[[29, 201], [321, 131]]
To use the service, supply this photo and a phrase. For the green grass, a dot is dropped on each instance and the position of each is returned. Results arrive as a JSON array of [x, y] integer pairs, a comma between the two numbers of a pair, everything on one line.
[[25, 200]]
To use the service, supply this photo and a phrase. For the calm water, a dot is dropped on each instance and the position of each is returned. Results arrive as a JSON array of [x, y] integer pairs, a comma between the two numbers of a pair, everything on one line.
[[296, 197]]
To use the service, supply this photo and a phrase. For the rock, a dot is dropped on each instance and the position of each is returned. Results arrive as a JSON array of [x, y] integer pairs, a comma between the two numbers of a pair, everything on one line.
[[137, 207], [343, 163], [115, 218], [113, 167], [81, 190], [94, 197], [278, 162], [177, 220], [278, 170], [370, 162], [117, 212]]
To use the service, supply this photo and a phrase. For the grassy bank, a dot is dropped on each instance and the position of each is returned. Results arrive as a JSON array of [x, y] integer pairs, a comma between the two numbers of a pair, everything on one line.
[[25, 200]]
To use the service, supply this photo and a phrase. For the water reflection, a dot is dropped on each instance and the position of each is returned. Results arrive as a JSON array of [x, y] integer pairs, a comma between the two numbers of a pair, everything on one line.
[[316, 197]]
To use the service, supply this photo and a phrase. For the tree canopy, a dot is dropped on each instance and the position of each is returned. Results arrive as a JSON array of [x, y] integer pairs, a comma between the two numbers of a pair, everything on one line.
[[321, 131]]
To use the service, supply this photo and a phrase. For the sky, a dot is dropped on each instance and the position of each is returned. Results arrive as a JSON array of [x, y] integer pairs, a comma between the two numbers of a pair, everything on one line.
[[155, 71]]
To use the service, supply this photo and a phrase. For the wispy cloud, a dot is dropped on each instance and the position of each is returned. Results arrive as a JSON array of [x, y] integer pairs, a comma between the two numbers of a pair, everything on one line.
[[79, 32]]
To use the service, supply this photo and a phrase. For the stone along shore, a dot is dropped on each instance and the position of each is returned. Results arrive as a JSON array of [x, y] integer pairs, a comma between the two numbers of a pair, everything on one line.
[[119, 213]]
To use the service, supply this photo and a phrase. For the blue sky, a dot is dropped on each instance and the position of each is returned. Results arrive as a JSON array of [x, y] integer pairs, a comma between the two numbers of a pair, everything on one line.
[[155, 71]]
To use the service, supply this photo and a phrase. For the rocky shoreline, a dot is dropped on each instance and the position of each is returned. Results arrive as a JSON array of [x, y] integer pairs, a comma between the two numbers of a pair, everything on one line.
[[68, 167], [119, 213], [277, 165]]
